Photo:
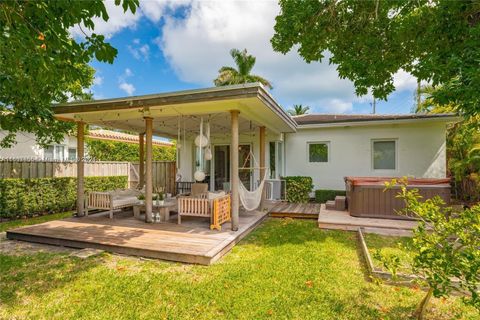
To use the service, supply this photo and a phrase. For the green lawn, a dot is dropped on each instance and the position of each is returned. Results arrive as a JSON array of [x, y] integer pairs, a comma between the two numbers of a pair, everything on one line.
[[4, 226], [388, 246], [286, 269]]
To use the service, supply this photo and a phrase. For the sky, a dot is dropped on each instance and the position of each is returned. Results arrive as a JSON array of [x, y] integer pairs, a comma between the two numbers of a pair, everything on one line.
[[171, 45]]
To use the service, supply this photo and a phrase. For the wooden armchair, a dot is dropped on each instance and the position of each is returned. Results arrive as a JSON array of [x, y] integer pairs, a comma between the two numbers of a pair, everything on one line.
[[218, 209]]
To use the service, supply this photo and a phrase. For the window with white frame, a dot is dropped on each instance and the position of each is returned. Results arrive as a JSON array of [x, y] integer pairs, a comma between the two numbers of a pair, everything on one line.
[[384, 154], [72, 154], [56, 152], [318, 151], [276, 159]]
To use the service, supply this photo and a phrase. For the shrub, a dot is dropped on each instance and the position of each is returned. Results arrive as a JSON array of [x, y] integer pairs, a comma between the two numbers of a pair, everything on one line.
[[26, 197], [298, 188], [322, 196]]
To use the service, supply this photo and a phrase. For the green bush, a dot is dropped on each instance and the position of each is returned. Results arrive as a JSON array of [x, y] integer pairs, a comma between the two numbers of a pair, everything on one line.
[[322, 196], [26, 197], [298, 188]]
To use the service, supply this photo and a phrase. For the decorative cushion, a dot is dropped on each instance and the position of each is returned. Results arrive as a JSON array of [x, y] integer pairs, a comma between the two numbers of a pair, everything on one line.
[[215, 195]]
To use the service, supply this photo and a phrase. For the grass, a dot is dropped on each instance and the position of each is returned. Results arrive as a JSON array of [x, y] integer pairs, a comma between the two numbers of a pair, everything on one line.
[[389, 246], [4, 226], [286, 269]]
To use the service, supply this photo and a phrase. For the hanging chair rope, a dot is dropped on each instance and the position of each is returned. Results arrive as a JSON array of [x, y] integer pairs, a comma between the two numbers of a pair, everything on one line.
[[251, 199]]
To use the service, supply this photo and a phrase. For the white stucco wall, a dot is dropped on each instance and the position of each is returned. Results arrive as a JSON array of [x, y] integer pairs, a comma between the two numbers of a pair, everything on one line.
[[27, 147], [421, 152]]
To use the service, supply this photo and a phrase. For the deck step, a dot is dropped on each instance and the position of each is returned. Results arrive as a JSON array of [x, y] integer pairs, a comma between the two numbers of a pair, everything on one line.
[[340, 203], [330, 205]]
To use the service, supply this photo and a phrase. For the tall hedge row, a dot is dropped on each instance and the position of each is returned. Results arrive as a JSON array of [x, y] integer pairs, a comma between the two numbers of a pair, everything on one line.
[[26, 197], [298, 188]]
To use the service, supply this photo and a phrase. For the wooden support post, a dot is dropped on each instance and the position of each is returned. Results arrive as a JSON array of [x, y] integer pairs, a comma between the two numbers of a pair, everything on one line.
[[148, 171], [80, 168], [141, 168], [262, 162], [234, 179]]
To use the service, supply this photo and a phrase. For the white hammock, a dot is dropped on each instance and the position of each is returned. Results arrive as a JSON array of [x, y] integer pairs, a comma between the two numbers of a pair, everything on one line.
[[251, 199]]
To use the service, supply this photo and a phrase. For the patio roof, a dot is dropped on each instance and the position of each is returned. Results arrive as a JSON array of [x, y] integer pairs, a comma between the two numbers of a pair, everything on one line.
[[325, 120], [257, 108]]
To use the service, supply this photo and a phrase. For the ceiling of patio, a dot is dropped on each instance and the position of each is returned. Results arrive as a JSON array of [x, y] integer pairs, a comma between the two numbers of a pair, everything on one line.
[[256, 106]]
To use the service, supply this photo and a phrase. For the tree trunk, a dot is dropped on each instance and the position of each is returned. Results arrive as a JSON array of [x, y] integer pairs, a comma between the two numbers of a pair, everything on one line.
[[422, 306]]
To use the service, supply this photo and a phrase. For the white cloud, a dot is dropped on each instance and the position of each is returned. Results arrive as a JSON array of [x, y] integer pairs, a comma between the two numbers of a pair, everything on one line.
[[140, 52], [117, 21], [97, 81], [127, 87], [197, 46], [403, 80], [156, 9], [123, 84]]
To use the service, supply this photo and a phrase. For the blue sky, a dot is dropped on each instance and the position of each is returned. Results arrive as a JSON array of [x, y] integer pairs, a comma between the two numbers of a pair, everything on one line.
[[173, 45]]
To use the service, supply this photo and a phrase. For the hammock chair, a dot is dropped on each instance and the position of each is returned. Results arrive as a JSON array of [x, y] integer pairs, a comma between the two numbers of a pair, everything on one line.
[[251, 199]]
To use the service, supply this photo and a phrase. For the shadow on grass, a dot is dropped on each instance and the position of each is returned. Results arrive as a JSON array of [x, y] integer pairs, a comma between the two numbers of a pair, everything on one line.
[[27, 275]]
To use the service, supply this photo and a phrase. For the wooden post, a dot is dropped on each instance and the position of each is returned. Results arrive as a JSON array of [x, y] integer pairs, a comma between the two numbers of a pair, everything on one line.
[[141, 168], [80, 168], [262, 162], [234, 173], [148, 171]]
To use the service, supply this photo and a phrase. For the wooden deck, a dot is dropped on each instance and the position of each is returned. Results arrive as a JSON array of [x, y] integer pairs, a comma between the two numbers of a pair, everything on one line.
[[295, 210], [190, 242], [342, 220]]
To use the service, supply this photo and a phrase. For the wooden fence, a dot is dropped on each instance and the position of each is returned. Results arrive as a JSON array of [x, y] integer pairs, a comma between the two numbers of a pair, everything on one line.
[[163, 171]]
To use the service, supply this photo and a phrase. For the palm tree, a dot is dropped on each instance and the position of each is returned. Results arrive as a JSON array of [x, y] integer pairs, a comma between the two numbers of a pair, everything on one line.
[[298, 110], [245, 63], [425, 103]]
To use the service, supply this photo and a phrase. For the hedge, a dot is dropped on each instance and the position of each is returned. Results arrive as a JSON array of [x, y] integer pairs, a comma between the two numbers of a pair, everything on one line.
[[27, 197], [298, 188], [322, 196]]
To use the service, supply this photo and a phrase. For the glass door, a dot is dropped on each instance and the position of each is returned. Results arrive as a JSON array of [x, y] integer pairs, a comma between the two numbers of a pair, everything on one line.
[[221, 162]]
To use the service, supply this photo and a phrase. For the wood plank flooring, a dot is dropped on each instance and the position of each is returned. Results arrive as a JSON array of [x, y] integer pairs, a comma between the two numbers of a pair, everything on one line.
[[342, 220], [296, 210], [191, 242]]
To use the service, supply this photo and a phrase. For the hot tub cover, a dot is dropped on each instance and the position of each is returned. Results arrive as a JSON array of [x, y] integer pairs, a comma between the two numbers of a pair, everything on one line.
[[376, 181]]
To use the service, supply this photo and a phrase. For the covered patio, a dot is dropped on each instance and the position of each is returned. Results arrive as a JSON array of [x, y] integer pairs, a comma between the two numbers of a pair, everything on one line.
[[245, 126]]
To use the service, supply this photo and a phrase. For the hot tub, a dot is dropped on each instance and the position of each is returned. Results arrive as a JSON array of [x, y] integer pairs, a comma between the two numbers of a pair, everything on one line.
[[366, 196]]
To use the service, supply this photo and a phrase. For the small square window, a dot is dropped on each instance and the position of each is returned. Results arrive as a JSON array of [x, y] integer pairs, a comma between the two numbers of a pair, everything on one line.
[[72, 154], [48, 153], [318, 152], [384, 155]]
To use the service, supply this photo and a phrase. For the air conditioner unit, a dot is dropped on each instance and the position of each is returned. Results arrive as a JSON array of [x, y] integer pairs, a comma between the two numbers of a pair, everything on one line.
[[275, 189]]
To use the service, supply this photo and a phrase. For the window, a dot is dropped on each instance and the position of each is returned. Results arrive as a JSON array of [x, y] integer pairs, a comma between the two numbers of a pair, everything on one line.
[[56, 152], [72, 154], [318, 151], [276, 159], [384, 155], [48, 153]]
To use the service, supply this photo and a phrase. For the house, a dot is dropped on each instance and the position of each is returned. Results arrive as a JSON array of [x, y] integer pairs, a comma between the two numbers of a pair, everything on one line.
[[226, 137], [27, 148], [247, 119], [328, 147]]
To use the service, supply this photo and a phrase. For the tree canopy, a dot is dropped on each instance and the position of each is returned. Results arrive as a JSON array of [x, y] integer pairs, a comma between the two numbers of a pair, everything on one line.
[[40, 62], [298, 110], [435, 40], [244, 62]]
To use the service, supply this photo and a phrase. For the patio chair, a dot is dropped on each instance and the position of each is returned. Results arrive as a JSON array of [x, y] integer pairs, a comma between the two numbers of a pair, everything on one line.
[[215, 206]]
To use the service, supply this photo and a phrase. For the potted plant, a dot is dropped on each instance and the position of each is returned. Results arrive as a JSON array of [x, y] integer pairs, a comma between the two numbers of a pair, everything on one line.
[[160, 198], [141, 198]]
